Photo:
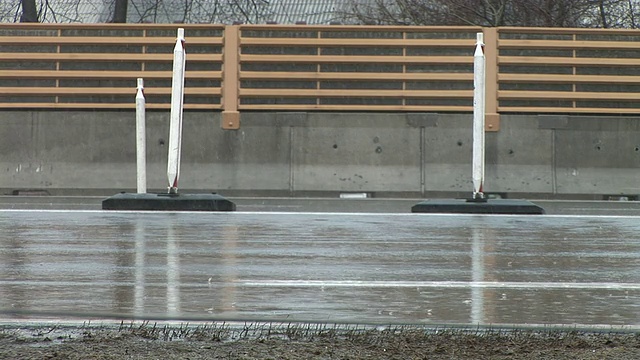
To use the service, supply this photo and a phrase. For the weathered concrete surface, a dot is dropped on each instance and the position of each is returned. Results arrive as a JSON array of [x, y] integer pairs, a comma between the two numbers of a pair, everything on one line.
[[598, 155], [322, 153], [447, 154], [520, 157], [340, 152]]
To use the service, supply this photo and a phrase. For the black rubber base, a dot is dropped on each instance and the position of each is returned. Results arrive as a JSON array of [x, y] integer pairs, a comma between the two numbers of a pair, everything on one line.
[[168, 202], [491, 206]]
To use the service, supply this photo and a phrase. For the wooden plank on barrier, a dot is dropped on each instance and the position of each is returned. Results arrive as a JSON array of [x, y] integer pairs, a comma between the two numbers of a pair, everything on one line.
[[566, 95], [50, 105], [284, 75], [566, 61], [54, 91], [320, 59], [364, 28], [108, 57], [103, 74], [373, 93], [103, 40], [568, 79], [568, 44], [567, 110], [354, 42], [329, 107]]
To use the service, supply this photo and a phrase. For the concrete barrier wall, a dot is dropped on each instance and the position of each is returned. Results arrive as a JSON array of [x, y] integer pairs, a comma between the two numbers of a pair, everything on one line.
[[392, 154]]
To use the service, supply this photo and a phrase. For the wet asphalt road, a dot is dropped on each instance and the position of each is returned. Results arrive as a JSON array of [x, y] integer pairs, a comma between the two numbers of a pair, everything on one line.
[[369, 205], [276, 261]]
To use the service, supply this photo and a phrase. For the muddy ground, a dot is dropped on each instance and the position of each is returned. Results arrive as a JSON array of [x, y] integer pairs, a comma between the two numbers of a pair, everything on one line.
[[300, 341]]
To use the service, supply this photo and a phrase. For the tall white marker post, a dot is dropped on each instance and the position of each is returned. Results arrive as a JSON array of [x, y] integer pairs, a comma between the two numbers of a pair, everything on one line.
[[175, 125], [141, 141], [478, 203], [171, 201], [478, 118]]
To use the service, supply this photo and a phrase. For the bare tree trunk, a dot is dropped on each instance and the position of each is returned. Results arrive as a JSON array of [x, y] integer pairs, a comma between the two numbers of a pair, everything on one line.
[[633, 24], [120, 11], [29, 11]]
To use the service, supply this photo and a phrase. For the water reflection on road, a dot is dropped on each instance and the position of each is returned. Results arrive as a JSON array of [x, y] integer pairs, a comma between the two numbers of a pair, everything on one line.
[[390, 268]]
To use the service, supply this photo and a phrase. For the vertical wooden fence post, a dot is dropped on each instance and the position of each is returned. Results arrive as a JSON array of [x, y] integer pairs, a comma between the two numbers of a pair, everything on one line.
[[492, 117], [230, 78]]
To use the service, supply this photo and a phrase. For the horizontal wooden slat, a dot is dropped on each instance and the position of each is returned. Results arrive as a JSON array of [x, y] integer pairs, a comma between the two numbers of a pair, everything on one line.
[[568, 44], [321, 59], [562, 110], [568, 79], [356, 93], [564, 31], [283, 75], [421, 108], [342, 42], [106, 74], [31, 105], [108, 57], [566, 95], [566, 61], [105, 40], [110, 26], [363, 28], [80, 91]]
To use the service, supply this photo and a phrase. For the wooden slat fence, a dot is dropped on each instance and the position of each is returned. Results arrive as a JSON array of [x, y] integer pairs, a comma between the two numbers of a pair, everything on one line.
[[356, 68], [238, 68], [96, 66], [588, 71]]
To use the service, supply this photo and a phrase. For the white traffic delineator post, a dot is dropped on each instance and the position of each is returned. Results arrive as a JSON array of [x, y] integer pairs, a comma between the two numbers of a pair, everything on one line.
[[141, 143], [171, 201], [175, 125], [478, 118], [478, 203]]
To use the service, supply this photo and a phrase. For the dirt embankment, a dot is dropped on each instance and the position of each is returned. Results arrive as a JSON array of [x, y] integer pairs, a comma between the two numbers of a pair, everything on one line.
[[285, 341]]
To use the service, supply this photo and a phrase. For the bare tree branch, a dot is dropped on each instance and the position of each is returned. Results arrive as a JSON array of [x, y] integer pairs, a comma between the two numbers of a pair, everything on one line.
[[547, 13]]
